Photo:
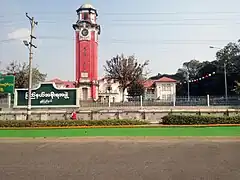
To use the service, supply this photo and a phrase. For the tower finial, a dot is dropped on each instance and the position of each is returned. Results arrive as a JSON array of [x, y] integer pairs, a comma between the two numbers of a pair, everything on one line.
[[87, 1]]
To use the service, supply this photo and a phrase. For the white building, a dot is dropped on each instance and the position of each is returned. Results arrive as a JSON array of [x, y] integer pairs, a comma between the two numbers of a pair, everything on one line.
[[110, 89], [163, 89]]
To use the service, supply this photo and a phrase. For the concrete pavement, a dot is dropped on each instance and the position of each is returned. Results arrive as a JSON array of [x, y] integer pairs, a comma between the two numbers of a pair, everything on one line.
[[120, 159]]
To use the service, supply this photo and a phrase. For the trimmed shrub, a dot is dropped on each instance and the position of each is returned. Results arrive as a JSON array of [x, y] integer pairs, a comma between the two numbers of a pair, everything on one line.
[[198, 120], [70, 123]]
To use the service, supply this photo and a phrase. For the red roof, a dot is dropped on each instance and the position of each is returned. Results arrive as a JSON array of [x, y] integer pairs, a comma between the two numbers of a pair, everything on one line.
[[101, 79], [165, 79], [56, 80], [68, 84], [148, 83]]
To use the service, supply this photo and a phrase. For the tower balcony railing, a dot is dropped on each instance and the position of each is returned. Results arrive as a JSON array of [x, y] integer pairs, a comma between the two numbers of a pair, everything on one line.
[[108, 92]]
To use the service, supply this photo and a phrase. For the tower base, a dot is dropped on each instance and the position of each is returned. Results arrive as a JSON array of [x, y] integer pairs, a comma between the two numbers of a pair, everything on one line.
[[88, 91]]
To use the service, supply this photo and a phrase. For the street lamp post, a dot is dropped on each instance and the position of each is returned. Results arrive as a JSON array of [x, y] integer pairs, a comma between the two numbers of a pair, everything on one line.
[[225, 74]]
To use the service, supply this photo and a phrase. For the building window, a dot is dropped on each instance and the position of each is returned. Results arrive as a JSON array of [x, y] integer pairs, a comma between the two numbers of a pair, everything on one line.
[[109, 89], [166, 87], [150, 91], [85, 16], [169, 97], [164, 97]]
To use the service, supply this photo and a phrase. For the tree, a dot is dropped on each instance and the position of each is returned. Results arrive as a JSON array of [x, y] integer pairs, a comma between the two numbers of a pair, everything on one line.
[[237, 88], [125, 70], [230, 55], [229, 52], [214, 85], [190, 68], [136, 89], [21, 71]]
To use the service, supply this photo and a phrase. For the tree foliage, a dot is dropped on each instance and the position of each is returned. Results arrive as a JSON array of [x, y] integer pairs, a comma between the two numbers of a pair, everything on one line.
[[230, 54], [21, 71], [125, 70], [190, 68], [136, 89]]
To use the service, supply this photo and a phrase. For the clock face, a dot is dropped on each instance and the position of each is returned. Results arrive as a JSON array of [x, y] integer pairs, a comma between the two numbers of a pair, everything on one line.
[[85, 32]]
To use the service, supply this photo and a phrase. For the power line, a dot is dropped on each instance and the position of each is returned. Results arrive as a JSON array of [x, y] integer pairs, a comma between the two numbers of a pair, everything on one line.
[[175, 40], [135, 41], [166, 20], [218, 25], [21, 21], [170, 13], [124, 13], [161, 43], [170, 24], [12, 39], [129, 20]]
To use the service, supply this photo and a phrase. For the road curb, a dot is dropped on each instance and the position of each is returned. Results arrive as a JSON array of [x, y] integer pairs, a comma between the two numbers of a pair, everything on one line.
[[125, 126]]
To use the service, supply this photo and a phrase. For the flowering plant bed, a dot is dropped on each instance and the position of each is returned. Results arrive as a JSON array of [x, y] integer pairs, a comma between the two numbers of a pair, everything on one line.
[[200, 120]]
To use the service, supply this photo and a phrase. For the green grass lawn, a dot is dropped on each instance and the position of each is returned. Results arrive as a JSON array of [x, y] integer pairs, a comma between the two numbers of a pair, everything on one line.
[[158, 131]]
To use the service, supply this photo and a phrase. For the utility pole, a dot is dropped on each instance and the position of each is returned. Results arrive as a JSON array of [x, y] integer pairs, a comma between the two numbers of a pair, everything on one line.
[[225, 81], [188, 86], [30, 45], [225, 75]]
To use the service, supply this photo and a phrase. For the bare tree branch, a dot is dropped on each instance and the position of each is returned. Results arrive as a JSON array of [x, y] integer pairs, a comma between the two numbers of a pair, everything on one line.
[[126, 70]]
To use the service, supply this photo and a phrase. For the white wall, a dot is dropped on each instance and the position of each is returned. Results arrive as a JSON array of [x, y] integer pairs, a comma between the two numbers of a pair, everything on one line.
[[115, 93], [88, 92], [60, 85], [165, 91], [150, 94]]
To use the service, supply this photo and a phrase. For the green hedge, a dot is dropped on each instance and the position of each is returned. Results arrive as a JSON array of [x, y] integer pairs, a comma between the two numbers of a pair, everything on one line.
[[198, 119], [69, 123]]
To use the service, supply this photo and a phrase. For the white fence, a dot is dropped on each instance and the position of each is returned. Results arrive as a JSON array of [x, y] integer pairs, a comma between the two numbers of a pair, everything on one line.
[[5, 100], [207, 100]]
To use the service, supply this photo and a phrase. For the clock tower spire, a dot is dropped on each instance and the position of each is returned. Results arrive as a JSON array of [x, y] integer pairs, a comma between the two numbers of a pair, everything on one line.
[[87, 31]]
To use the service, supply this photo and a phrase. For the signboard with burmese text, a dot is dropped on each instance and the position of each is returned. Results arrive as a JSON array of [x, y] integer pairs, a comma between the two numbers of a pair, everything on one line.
[[47, 95], [7, 84]]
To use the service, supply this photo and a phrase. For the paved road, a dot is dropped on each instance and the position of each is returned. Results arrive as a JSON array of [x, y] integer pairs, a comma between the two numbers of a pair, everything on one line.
[[152, 159]]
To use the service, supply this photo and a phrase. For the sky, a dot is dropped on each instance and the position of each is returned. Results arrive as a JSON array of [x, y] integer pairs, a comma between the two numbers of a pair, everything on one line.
[[165, 32]]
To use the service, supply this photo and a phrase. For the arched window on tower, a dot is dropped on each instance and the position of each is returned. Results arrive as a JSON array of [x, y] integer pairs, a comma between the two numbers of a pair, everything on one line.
[[85, 16]]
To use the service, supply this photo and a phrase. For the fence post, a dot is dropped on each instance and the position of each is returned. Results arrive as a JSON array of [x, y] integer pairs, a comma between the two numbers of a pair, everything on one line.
[[208, 100], [109, 101], [141, 101], [174, 100], [9, 100]]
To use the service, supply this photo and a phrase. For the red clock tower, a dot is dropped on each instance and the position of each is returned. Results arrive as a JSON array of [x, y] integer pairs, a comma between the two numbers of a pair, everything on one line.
[[87, 31]]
